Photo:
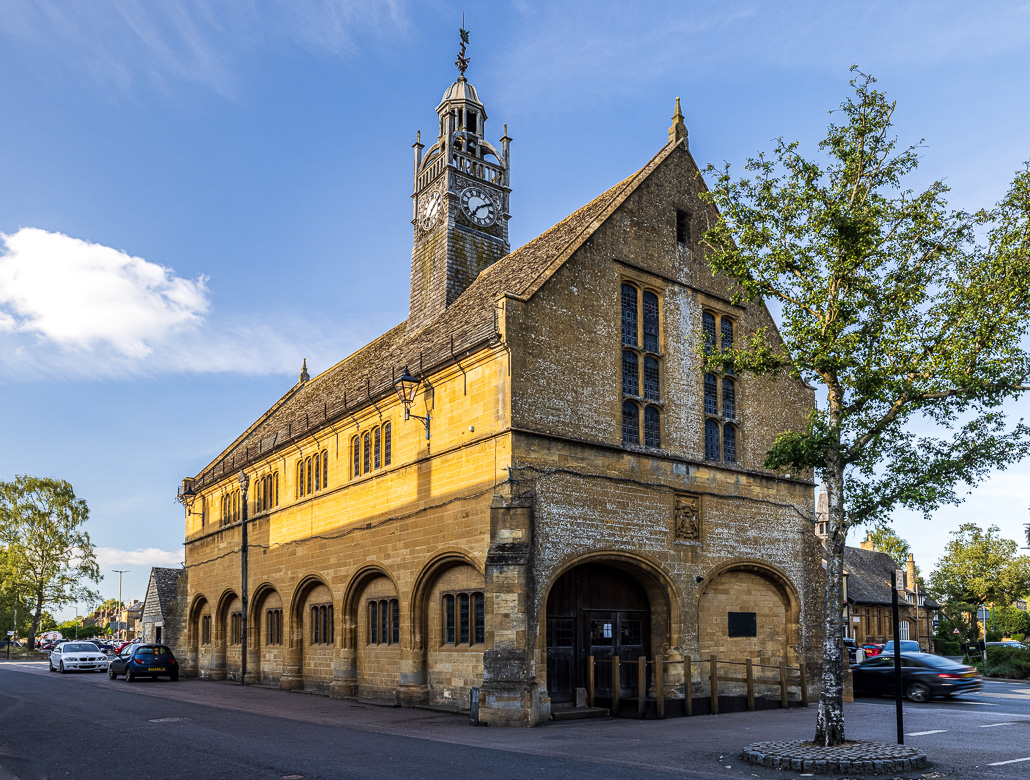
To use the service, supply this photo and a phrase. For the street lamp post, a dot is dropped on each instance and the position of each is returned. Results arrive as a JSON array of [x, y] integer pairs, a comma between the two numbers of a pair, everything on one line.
[[244, 484], [119, 621]]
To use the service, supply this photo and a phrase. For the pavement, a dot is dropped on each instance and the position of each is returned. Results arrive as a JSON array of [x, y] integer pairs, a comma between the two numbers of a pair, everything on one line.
[[986, 736]]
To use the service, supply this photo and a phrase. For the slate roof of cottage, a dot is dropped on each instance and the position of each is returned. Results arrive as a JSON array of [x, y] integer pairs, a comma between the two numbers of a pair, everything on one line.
[[166, 582], [869, 577], [465, 326]]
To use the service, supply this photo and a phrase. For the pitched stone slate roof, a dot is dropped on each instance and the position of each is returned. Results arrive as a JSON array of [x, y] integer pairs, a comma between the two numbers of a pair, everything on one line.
[[869, 577], [465, 326], [161, 590]]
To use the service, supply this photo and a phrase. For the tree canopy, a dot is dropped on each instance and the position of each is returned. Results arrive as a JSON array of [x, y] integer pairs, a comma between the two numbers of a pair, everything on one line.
[[980, 567], [901, 310], [886, 539], [48, 556]]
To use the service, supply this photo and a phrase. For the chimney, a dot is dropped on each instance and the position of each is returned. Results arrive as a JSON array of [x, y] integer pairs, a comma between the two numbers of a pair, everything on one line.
[[910, 572], [867, 543]]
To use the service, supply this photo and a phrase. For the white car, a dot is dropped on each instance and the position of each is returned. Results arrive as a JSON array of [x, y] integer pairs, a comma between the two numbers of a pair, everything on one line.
[[72, 656]]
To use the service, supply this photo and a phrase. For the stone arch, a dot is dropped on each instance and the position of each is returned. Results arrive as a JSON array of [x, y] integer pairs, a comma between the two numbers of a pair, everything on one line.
[[371, 671], [631, 592], [224, 661], [465, 670], [309, 665], [265, 653], [767, 612], [196, 653]]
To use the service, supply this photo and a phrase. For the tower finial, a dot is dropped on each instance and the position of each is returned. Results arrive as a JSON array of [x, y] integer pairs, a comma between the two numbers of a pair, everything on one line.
[[304, 375], [678, 131], [463, 62]]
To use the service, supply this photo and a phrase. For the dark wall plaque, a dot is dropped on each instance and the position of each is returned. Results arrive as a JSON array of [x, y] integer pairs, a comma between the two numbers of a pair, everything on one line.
[[743, 623]]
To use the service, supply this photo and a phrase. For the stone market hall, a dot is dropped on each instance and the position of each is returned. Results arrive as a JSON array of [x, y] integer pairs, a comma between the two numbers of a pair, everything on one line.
[[530, 471]]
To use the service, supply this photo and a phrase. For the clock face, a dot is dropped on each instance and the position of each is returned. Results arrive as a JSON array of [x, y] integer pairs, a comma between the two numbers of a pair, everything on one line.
[[431, 210], [478, 206]]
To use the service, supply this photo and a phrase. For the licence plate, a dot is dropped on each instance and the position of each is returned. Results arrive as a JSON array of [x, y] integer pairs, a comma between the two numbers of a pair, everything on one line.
[[155, 668]]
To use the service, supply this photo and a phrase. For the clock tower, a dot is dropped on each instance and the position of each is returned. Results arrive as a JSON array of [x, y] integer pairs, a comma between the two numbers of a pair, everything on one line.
[[460, 199]]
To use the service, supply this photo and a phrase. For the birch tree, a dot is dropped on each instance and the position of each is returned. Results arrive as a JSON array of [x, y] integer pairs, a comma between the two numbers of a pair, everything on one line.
[[907, 315], [48, 556]]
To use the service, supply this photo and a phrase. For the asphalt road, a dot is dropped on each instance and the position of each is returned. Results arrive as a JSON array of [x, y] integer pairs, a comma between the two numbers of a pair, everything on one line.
[[86, 726]]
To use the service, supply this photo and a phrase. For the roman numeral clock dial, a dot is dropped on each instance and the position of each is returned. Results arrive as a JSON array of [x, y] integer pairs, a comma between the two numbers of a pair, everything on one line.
[[478, 206]]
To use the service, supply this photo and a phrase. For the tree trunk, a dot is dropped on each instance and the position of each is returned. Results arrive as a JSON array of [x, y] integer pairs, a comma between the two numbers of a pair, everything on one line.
[[829, 729], [36, 617]]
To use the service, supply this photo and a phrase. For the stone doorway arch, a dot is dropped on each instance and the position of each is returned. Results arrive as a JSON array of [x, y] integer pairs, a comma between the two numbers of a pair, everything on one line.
[[604, 606]]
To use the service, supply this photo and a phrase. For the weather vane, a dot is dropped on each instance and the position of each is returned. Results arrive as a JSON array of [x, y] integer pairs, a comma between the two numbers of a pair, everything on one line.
[[463, 62]]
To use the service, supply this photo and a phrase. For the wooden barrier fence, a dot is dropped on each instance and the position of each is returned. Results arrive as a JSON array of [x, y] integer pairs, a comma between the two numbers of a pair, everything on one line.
[[785, 680]]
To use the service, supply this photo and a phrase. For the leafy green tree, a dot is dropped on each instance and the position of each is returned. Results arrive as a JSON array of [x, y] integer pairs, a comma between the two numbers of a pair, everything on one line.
[[886, 539], [1010, 621], [980, 567], [899, 309], [48, 555]]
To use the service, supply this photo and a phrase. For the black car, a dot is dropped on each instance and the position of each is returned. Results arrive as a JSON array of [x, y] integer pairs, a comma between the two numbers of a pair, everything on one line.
[[923, 676], [144, 661]]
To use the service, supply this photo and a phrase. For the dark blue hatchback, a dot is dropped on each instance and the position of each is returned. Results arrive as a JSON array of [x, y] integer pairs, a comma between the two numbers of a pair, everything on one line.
[[144, 661]]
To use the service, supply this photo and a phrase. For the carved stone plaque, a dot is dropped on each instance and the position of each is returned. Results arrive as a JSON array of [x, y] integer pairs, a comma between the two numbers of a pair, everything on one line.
[[687, 517]]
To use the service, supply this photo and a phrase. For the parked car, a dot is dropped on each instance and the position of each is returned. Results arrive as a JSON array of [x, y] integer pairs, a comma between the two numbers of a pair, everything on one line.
[[872, 650], [105, 647], [120, 647], [923, 676], [907, 646], [70, 656], [5, 643], [144, 661], [1009, 643], [852, 649]]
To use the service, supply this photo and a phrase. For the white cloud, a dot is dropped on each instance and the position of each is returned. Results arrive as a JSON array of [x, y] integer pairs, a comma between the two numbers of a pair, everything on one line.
[[74, 309], [78, 295], [110, 557], [123, 42]]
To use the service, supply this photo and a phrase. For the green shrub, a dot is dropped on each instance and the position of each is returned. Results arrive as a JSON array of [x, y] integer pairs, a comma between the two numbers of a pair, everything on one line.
[[949, 648], [1010, 662], [994, 636]]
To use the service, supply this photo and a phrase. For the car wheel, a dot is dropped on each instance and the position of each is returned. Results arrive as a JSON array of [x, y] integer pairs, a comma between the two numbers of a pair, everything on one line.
[[50, 666], [173, 676], [129, 676], [63, 670], [918, 692], [111, 674]]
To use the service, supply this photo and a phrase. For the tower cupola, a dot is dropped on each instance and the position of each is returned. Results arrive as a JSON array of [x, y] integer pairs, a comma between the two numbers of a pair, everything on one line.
[[460, 212]]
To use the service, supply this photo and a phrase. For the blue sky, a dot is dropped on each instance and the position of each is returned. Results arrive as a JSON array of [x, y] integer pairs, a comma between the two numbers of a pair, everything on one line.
[[194, 196]]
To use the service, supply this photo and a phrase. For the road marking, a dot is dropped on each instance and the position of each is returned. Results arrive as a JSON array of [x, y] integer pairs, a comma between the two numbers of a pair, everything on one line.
[[992, 725], [924, 733], [1012, 761], [981, 703], [1020, 696]]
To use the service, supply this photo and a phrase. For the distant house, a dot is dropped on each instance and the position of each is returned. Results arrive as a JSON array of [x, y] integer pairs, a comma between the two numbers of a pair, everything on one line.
[[867, 590], [160, 622]]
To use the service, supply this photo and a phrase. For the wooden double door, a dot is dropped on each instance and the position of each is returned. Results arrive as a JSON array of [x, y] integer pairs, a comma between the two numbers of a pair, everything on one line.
[[600, 611]]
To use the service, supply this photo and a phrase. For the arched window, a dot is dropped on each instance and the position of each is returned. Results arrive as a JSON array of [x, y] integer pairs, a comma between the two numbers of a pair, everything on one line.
[[386, 444], [478, 618], [629, 315], [373, 622], [711, 439], [651, 380], [652, 427], [300, 478], [630, 379], [317, 463], [448, 611], [377, 450], [727, 340], [711, 394], [729, 443], [366, 444], [729, 399], [630, 423], [356, 456], [325, 468], [463, 618], [315, 626], [650, 322], [708, 327], [395, 621]]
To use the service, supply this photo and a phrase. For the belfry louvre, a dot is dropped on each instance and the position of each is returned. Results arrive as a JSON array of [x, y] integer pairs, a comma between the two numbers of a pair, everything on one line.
[[561, 481]]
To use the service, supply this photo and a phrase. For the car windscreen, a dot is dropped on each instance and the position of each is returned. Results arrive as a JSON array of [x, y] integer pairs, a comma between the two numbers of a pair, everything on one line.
[[79, 647], [158, 650]]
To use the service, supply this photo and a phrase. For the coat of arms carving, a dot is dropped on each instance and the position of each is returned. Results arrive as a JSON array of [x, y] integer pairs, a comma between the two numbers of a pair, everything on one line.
[[687, 517]]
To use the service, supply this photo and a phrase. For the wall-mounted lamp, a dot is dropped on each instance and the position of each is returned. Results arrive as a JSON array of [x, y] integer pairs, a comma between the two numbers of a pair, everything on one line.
[[407, 387], [187, 494]]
